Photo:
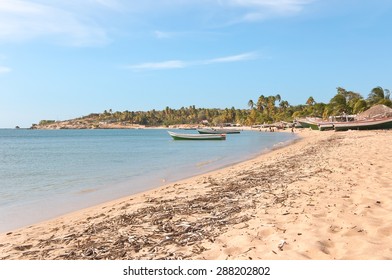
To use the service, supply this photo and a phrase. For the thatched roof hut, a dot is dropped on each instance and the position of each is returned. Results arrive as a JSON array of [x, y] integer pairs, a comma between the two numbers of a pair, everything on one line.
[[377, 111]]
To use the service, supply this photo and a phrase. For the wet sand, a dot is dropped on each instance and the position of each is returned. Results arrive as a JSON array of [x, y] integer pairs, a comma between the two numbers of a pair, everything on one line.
[[327, 196]]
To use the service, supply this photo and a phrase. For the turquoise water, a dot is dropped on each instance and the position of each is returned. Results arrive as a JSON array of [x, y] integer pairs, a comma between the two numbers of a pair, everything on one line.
[[46, 173]]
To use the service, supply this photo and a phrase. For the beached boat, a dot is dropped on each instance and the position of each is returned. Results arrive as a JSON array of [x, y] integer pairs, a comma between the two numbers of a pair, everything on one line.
[[310, 122], [218, 131], [325, 126], [179, 136], [384, 123]]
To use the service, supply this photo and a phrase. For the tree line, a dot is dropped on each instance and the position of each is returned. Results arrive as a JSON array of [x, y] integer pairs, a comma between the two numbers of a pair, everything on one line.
[[266, 109], [272, 108]]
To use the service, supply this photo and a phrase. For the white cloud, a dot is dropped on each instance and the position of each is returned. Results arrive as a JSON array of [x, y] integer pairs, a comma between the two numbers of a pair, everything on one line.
[[22, 20], [233, 58], [224, 11], [88, 22], [274, 4], [255, 10], [171, 64], [176, 64], [4, 70]]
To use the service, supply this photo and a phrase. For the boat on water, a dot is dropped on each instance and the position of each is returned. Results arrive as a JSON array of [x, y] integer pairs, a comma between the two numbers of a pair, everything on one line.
[[382, 123], [181, 136], [218, 131]]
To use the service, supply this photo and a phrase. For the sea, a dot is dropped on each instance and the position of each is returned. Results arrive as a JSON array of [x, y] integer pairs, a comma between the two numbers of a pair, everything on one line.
[[48, 173]]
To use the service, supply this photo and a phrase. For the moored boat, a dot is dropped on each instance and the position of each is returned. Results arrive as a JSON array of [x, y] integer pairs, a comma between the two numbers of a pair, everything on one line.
[[181, 136], [218, 131]]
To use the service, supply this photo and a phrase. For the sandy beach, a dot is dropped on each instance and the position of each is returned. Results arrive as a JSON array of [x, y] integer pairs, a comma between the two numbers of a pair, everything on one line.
[[326, 196]]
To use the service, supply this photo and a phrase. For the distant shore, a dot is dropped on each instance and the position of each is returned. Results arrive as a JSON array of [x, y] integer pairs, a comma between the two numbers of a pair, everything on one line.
[[104, 125], [327, 196]]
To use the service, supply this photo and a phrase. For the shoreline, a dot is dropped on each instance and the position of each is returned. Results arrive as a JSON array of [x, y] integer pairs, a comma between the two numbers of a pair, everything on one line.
[[289, 203], [14, 217]]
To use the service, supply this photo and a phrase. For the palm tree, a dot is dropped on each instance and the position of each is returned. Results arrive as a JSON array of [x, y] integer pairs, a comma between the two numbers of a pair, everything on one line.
[[387, 98], [338, 105], [376, 96], [284, 105], [278, 98], [283, 113], [271, 104], [310, 101], [359, 106], [261, 103], [387, 94], [251, 104]]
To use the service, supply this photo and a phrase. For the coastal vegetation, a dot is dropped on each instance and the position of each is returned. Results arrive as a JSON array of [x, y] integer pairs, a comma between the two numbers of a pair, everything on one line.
[[266, 109]]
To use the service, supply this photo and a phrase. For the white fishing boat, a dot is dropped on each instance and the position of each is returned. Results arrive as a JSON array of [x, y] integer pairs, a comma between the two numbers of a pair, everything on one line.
[[218, 131], [182, 136]]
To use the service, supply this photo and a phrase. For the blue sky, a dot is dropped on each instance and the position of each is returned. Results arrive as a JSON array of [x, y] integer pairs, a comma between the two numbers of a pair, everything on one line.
[[61, 59]]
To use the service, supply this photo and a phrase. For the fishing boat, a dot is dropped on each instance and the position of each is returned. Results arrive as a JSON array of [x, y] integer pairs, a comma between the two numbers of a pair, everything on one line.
[[325, 126], [179, 136], [377, 117], [381, 123], [313, 123], [218, 131]]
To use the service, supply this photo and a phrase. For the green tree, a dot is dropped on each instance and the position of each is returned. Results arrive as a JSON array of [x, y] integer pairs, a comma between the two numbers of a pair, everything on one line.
[[310, 101], [261, 103], [359, 106], [376, 96], [283, 105], [336, 106], [271, 106], [251, 104], [351, 98]]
